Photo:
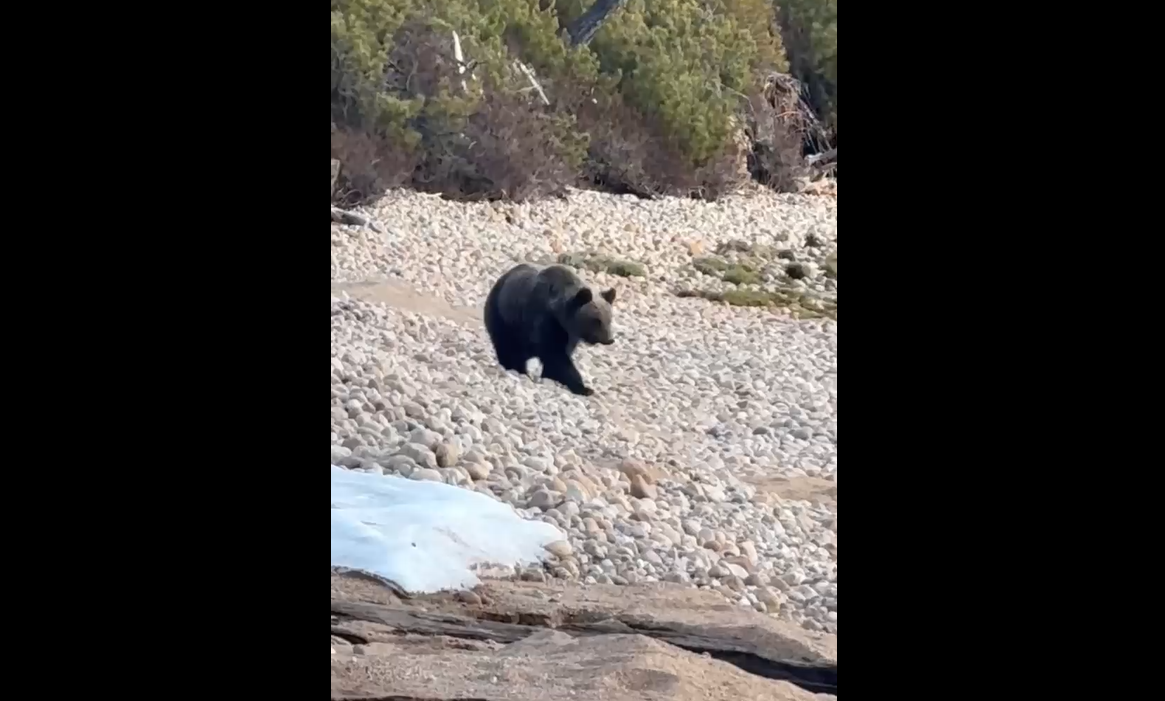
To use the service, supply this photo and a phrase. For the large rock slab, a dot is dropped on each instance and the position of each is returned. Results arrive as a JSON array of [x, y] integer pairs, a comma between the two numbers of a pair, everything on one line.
[[520, 640]]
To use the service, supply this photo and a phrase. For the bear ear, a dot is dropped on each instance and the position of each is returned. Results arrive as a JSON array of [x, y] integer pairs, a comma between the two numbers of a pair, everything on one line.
[[609, 295], [581, 298]]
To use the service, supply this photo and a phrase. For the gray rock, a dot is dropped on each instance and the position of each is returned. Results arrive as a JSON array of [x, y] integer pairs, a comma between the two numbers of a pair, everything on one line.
[[534, 574], [575, 491], [641, 489], [544, 499], [536, 464], [478, 470], [427, 438], [398, 463], [560, 548], [419, 454], [735, 569], [448, 453]]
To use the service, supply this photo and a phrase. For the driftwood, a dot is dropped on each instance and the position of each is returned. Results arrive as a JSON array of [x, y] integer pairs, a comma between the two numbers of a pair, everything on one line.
[[786, 96], [361, 623], [583, 29], [343, 216], [823, 164], [829, 156]]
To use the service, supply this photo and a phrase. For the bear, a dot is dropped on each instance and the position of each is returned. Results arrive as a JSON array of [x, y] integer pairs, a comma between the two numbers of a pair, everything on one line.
[[544, 313]]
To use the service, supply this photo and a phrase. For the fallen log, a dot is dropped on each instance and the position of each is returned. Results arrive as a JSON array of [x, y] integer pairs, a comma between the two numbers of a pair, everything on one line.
[[343, 216]]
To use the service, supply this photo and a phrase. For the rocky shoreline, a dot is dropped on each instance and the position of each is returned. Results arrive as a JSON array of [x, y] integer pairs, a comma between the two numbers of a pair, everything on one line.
[[707, 457]]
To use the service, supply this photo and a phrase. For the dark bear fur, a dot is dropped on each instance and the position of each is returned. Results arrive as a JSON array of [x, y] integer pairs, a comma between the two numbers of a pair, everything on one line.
[[532, 313]]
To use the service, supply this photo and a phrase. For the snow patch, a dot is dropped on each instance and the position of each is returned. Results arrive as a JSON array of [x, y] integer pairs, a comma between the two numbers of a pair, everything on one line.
[[425, 536]]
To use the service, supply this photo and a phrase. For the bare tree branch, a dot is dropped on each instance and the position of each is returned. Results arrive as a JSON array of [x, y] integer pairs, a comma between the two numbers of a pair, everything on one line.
[[460, 60], [533, 82], [343, 216], [827, 157]]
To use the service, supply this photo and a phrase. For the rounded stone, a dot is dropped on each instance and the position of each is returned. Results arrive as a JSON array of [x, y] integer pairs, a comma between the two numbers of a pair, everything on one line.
[[478, 470], [560, 548]]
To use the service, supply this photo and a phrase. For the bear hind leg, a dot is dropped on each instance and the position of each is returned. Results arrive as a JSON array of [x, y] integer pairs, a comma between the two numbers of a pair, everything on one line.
[[513, 361], [511, 357]]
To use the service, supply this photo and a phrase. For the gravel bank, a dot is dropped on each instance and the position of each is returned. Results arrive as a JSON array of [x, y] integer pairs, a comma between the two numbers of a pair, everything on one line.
[[700, 407]]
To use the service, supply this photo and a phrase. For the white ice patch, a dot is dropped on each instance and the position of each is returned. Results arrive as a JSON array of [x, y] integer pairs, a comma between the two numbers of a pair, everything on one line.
[[425, 536]]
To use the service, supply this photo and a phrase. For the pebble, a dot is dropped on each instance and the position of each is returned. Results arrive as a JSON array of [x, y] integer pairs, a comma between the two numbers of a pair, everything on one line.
[[709, 396], [736, 570], [560, 548], [634, 468], [425, 437], [544, 499], [420, 454], [478, 470], [534, 575], [448, 454], [642, 489]]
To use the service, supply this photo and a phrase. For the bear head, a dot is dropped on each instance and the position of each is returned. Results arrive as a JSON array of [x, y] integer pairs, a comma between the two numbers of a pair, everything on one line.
[[589, 317]]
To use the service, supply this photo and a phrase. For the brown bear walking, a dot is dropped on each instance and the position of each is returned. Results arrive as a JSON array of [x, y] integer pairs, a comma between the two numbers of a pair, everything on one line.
[[532, 313]]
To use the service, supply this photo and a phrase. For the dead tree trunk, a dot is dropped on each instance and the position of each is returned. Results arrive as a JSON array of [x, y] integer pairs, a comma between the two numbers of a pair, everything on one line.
[[583, 29]]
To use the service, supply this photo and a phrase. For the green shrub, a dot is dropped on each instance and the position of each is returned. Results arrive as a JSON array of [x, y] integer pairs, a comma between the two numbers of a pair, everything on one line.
[[470, 134], [801, 305], [741, 275], [809, 28], [687, 64], [710, 265], [653, 104]]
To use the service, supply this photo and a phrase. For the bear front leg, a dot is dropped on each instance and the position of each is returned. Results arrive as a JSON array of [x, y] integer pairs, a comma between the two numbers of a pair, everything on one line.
[[513, 361], [560, 369]]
